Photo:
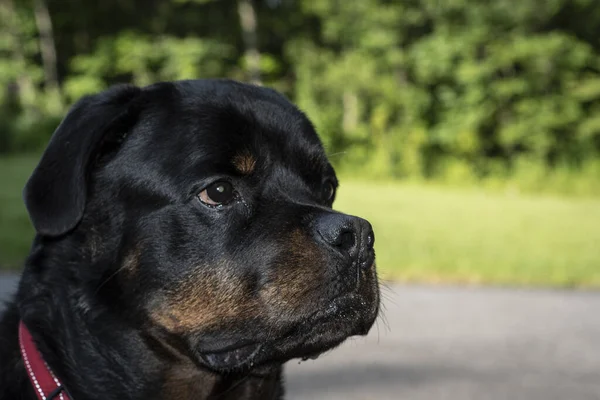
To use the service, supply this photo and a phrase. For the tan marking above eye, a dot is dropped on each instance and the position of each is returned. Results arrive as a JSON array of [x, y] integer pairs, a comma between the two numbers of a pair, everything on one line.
[[244, 162]]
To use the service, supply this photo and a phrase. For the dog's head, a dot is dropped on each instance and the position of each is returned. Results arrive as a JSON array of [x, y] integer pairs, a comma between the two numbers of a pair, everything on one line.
[[203, 212]]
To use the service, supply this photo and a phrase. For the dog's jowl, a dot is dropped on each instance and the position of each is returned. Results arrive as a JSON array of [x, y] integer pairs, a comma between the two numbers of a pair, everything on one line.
[[186, 248]]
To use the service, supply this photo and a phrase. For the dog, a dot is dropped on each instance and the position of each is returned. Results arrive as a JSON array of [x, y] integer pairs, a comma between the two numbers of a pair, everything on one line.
[[185, 248]]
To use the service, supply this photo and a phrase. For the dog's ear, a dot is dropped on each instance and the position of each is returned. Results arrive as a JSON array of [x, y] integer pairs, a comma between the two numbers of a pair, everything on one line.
[[55, 195]]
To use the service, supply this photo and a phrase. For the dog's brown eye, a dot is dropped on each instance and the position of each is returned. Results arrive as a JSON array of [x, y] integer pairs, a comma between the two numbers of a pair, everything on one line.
[[220, 192], [328, 191]]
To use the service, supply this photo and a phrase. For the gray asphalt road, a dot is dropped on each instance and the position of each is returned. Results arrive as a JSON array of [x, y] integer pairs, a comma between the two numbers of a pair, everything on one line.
[[461, 343], [8, 284]]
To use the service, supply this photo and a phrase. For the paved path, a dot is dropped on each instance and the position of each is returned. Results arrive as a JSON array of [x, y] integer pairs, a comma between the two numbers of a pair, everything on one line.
[[8, 284], [462, 344]]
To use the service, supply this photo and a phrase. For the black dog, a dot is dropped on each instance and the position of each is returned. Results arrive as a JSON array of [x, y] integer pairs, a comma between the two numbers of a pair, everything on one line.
[[186, 248]]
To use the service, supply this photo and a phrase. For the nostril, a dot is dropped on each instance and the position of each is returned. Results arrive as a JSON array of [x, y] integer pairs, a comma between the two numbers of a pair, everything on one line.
[[341, 232], [346, 240]]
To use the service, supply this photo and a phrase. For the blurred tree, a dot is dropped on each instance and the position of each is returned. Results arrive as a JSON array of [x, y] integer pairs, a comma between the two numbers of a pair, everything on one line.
[[47, 46], [23, 108], [429, 87], [452, 89], [16, 71], [249, 32]]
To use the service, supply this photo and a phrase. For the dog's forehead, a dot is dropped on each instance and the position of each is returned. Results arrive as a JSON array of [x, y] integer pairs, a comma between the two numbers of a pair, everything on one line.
[[236, 111], [225, 122]]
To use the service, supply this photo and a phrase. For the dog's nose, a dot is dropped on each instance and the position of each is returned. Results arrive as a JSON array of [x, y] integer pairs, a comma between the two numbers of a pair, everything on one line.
[[351, 236]]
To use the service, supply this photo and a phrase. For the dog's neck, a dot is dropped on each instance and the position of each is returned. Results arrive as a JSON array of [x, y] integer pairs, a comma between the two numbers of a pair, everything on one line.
[[182, 379], [123, 365], [189, 382], [91, 374]]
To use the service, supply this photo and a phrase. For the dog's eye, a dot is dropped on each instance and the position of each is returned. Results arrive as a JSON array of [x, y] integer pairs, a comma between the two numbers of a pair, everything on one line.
[[218, 193], [328, 191]]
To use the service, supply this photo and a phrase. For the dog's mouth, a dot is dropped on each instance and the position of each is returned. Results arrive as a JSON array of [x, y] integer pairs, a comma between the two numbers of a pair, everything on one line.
[[232, 358], [325, 329]]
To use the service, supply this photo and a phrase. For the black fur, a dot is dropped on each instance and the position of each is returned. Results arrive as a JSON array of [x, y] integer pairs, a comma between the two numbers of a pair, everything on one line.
[[136, 287]]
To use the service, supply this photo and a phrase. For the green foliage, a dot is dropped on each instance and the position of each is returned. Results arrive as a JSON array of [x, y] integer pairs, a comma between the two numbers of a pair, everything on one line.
[[28, 112], [143, 60], [460, 91]]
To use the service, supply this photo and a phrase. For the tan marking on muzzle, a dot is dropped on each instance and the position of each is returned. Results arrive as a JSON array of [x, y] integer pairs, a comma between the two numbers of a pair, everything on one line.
[[298, 273], [205, 300]]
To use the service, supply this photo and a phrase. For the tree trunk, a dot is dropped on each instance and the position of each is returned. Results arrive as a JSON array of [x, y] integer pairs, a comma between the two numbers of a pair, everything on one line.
[[350, 115], [248, 23], [47, 45]]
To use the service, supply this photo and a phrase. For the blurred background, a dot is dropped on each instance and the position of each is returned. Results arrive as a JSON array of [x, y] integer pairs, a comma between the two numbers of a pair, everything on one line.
[[466, 131]]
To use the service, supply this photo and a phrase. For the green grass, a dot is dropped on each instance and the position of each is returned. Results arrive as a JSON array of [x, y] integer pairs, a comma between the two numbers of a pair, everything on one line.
[[429, 234], [16, 231], [425, 234]]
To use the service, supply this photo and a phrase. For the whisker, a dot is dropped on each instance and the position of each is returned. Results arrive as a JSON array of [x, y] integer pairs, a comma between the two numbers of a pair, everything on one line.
[[111, 276], [385, 321], [337, 154]]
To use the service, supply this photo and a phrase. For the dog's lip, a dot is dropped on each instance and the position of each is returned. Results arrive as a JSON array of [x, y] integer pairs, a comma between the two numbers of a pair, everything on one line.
[[232, 357], [340, 303], [350, 306]]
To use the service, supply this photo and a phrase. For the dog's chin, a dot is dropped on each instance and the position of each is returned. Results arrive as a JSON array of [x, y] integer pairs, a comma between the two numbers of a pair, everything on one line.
[[345, 317], [232, 359]]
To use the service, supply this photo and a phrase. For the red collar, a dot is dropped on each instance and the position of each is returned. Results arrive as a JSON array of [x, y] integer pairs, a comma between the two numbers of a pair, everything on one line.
[[47, 386]]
